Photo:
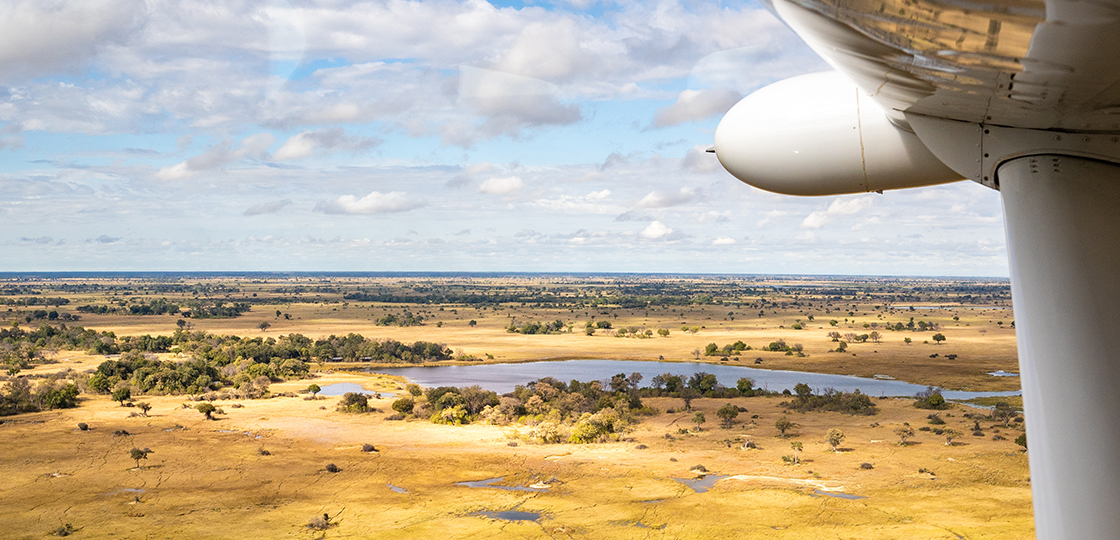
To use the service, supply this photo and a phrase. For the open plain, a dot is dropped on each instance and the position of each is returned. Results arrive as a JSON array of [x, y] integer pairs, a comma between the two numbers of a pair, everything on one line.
[[260, 470]]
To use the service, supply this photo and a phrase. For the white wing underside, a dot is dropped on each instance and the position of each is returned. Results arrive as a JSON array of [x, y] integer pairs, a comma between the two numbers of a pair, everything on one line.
[[1051, 65]]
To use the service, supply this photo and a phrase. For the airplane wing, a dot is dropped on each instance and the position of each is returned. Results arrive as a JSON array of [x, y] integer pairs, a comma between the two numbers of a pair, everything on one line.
[[1022, 96]]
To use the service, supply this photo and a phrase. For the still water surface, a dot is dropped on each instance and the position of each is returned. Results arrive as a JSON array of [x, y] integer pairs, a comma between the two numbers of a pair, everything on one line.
[[503, 378]]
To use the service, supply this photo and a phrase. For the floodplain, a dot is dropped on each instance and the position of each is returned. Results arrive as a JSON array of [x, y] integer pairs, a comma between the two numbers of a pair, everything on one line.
[[260, 468]]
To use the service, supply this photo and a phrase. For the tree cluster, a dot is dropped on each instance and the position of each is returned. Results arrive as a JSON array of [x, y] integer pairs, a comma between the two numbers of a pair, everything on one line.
[[830, 400]]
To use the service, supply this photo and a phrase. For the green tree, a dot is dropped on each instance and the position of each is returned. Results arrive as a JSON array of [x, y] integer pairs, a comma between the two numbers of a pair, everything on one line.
[[472, 323], [264, 326], [939, 338], [907, 340], [745, 385], [144, 407], [1021, 440], [314, 389], [834, 437], [784, 424], [414, 389], [698, 419], [688, 394], [122, 394], [138, 454], [727, 414], [904, 432], [797, 447], [404, 405], [950, 434], [208, 409], [663, 332]]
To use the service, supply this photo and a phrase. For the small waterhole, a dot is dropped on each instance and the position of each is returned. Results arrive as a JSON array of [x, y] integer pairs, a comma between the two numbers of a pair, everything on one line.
[[488, 484], [701, 483]]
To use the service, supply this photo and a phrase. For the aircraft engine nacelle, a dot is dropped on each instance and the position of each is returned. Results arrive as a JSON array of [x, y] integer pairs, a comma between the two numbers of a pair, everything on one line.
[[818, 134]]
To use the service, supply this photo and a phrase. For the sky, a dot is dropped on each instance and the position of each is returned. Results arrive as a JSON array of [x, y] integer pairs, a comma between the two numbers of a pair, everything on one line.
[[328, 135]]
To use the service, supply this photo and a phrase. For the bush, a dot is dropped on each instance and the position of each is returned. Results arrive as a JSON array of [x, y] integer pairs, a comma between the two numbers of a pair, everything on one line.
[[83, 426], [262, 452], [866, 466], [404, 405], [332, 468], [320, 523], [367, 447], [353, 402]]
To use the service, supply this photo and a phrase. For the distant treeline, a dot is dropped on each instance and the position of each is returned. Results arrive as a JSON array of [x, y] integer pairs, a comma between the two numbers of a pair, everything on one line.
[[474, 299], [197, 309], [35, 301]]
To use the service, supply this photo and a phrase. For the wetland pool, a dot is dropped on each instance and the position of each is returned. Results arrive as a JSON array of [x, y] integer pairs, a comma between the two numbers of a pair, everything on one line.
[[502, 378]]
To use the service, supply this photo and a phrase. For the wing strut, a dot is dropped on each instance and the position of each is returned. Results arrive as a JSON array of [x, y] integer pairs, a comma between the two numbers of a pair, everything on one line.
[[1062, 216]]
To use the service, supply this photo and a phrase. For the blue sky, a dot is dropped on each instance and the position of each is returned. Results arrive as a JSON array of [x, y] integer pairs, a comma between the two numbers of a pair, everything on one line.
[[426, 136]]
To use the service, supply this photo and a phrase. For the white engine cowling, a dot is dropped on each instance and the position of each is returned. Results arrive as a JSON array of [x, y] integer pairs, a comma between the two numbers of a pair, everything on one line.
[[818, 134]]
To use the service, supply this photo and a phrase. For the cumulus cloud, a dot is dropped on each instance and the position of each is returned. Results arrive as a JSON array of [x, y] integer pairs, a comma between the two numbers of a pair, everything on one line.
[[655, 230], [253, 147], [663, 199], [270, 207], [502, 186], [693, 105], [509, 102], [45, 37], [723, 241], [839, 207], [39, 240], [323, 142], [698, 160], [374, 203]]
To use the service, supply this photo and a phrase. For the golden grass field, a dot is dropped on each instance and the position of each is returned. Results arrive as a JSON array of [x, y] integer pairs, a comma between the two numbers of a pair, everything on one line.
[[206, 479]]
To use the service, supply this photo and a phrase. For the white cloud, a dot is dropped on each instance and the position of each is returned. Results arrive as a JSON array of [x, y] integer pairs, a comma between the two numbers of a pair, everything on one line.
[[723, 241], [662, 199], [699, 160], [693, 105], [839, 207], [254, 146], [43, 37], [270, 207], [374, 203], [501, 186], [655, 230], [324, 141]]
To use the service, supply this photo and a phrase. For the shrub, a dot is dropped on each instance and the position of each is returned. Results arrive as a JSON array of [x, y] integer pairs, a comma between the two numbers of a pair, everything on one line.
[[320, 523], [332, 468], [404, 405], [83, 426], [354, 402], [64, 530], [263, 452], [866, 466], [367, 447], [394, 417], [935, 420]]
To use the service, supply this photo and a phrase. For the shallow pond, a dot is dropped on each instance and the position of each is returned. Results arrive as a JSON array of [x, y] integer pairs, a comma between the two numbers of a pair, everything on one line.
[[838, 495], [502, 378], [702, 483], [488, 484], [338, 389], [508, 515]]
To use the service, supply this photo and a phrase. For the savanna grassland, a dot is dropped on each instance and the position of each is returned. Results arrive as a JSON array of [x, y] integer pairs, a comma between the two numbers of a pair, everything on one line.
[[259, 469]]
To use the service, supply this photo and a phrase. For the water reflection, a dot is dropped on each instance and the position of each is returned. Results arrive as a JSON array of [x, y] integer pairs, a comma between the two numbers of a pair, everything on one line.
[[502, 378]]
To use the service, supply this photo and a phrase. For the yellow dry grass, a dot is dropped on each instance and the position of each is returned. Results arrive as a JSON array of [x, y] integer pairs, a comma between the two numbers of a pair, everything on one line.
[[205, 479]]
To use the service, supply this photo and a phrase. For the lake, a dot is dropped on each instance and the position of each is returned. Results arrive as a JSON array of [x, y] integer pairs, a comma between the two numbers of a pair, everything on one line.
[[502, 378]]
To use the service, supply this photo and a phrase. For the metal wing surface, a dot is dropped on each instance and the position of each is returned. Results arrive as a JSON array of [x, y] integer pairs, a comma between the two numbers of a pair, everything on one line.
[[1051, 65]]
